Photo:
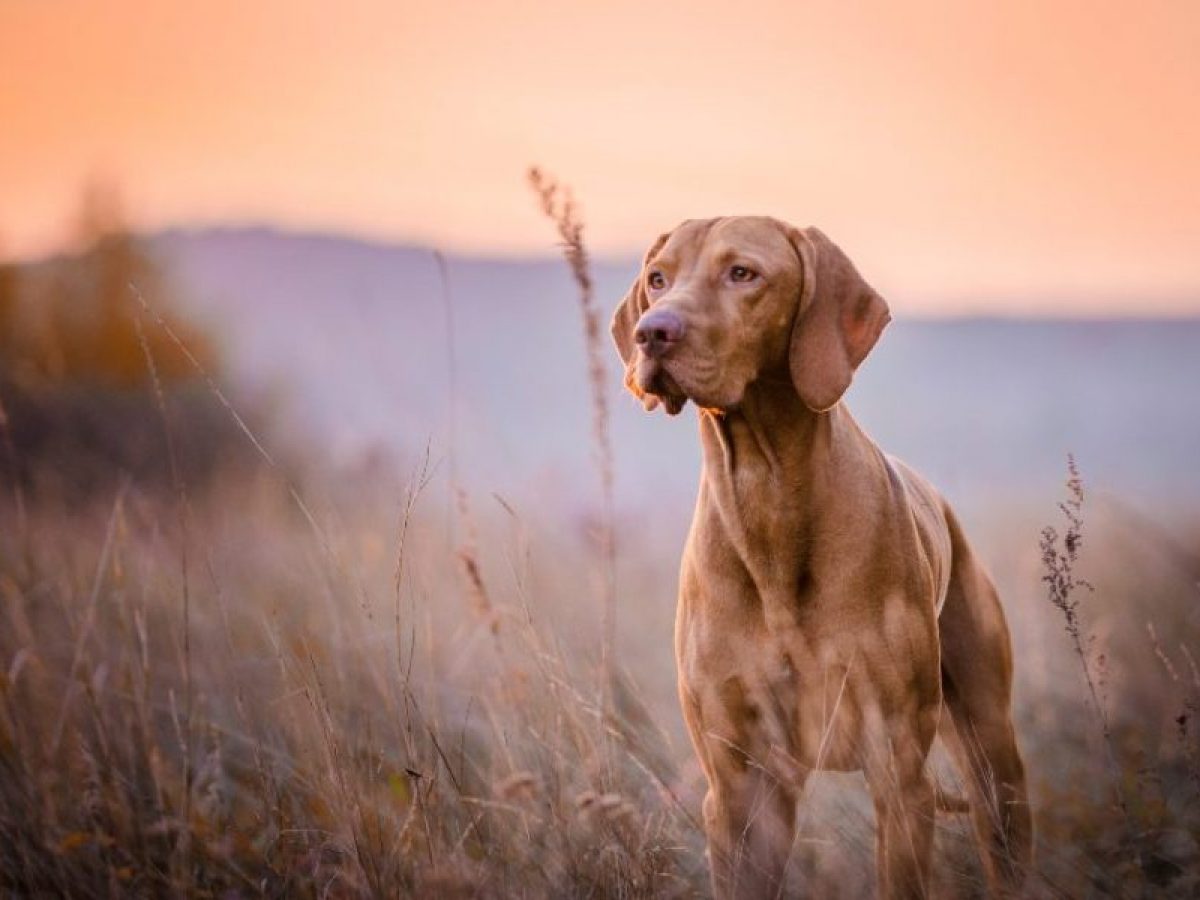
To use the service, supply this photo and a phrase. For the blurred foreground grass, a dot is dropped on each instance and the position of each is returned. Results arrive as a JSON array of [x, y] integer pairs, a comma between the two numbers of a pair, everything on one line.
[[349, 711], [313, 728]]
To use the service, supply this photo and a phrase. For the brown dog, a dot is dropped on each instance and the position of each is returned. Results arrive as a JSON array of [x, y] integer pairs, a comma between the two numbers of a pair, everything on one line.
[[829, 603]]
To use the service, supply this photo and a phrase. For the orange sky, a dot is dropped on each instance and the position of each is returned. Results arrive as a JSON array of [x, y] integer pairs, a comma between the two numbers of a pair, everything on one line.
[[969, 156]]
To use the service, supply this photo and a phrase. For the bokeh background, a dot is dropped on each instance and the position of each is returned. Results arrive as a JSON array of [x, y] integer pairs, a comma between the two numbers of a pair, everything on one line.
[[301, 528]]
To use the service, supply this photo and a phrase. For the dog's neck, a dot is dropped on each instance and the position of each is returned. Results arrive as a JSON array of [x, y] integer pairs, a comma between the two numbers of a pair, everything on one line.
[[772, 482], [770, 435]]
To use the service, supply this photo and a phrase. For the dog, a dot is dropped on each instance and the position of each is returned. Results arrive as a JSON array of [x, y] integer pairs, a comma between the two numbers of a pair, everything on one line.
[[831, 613]]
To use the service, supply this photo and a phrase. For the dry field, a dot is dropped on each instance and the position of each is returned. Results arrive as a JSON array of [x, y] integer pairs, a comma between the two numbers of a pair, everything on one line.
[[359, 687]]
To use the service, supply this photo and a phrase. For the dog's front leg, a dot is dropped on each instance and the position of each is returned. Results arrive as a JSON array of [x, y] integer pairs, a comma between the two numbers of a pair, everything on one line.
[[904, 816], [749, 818]]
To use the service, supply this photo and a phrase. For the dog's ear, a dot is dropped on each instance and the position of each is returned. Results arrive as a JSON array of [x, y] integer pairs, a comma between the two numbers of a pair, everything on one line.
[[625, 319], [839, 319]]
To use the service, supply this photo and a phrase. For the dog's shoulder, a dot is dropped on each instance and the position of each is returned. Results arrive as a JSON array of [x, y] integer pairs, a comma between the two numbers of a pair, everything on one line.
[[928, 509]]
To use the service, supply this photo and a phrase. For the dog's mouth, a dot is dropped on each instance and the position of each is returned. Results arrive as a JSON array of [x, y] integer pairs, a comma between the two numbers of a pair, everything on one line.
[[658, 386]]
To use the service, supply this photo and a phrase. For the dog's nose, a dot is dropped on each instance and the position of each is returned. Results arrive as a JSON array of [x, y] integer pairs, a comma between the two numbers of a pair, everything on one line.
[[657, 330]]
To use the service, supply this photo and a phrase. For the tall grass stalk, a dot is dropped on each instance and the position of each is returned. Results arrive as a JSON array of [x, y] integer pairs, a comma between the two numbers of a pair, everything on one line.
[[417, 483], [558, 205], [460, 523], [179, 487]]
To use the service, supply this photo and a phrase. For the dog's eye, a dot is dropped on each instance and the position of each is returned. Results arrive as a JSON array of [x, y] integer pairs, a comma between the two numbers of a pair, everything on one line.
[[741, 274], [656, 281]]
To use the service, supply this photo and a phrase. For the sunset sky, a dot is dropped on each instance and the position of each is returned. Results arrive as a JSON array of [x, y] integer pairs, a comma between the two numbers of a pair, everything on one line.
[[1037, 156]]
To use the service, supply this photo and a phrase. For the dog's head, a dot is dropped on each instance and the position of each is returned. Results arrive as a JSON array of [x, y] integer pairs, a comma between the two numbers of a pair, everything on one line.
[[721, 303]]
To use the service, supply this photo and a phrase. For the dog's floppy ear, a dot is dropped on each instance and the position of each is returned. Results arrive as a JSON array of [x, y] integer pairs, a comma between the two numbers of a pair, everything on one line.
[[625, 319], [840, 317]]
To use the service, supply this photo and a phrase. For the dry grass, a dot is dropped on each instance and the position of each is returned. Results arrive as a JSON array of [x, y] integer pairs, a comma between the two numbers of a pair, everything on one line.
[[333, 754], [358, 730]]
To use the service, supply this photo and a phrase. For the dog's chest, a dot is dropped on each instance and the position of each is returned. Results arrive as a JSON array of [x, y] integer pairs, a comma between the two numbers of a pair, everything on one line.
[[792, 702], [755, 519]]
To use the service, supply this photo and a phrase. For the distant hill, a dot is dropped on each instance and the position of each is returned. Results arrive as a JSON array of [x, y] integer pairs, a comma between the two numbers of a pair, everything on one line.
[[355, 335]]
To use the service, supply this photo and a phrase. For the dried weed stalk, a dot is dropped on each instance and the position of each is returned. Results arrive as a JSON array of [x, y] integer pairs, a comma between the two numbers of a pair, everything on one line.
[[559, 206], [1060, 554]]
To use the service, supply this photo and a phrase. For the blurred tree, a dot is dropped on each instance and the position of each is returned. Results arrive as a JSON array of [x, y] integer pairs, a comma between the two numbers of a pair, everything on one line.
[[74, 381], [74, 320]]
